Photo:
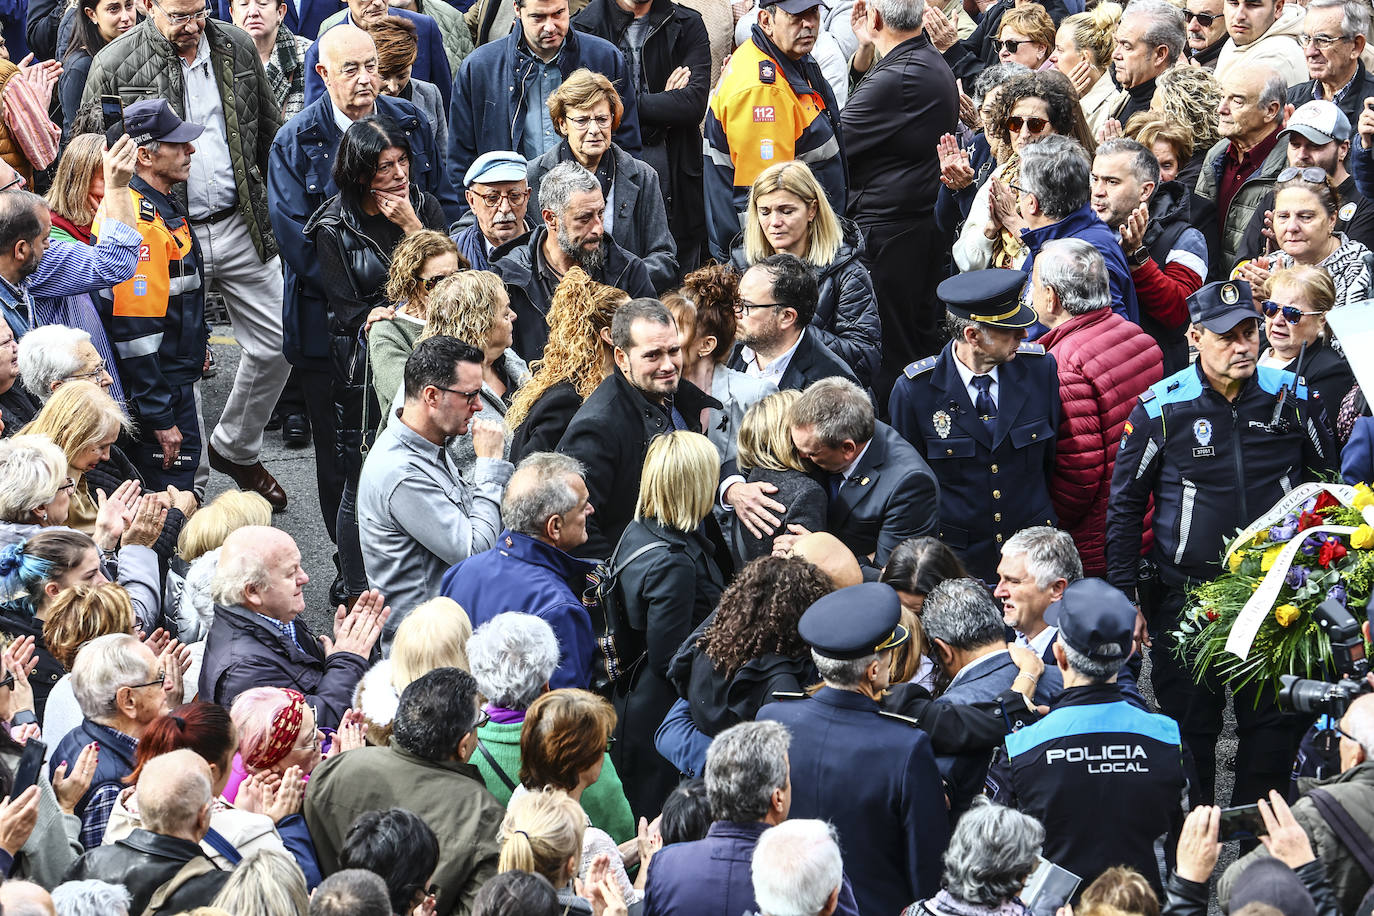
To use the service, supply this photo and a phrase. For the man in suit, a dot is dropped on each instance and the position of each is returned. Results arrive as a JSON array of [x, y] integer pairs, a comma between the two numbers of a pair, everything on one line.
[[778, 297], [986, 419], [892, 820], [881, 491], [1037, 564]]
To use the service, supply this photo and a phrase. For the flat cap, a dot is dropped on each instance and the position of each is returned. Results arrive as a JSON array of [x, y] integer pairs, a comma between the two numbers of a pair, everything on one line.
[[497, 165], [855, 621]]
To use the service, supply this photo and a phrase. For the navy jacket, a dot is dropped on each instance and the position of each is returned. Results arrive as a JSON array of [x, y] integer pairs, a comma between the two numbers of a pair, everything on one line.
[[811, 362], [489, 99], [711, 875], [994, 477], [431, 63], [114, 763], [307, 22], [1084, 224], [891, 495], [528, 576], [892, 822], [300, 180]]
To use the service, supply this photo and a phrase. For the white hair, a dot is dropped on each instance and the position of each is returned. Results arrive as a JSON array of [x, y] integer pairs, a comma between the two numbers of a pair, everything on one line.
[[513, 656], [31, 469], [796, 867], [47, 355], [91, 898], [104, 665]]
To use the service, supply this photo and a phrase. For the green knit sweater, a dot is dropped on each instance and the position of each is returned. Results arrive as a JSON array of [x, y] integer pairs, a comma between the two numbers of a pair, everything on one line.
[[604, 800]]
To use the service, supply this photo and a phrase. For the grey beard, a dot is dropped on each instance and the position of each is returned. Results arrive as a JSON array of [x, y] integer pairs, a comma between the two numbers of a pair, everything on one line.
[[590, 261]]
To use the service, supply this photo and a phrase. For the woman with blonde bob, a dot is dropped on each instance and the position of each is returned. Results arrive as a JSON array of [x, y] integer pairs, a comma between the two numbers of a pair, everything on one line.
[[434, 635], [577, 358], [768, 454], [542, 834], [666, 593], [1083, 49], [1026, 35], [586, 111], [420, 262], [789, 213], [83, 421]]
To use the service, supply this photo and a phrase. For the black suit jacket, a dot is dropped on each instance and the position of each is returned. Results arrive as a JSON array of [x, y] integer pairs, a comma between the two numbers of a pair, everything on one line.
[[811, 362], [892, 495]]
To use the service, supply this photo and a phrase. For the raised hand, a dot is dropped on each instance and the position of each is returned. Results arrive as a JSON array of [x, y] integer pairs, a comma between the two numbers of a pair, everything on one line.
[[1287, 841], [70, 784], [114, 513], [287, 799], [1197, 844], [941, 31], [357, 632], [1082, 77], [956, 170], [17, 819], [146, 523]]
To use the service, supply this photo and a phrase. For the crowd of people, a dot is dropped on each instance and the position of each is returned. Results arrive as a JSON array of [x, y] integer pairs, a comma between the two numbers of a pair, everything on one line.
[[767, 446]]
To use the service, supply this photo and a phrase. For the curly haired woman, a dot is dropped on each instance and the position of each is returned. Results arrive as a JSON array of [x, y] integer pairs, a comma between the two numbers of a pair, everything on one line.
[[576, 359]]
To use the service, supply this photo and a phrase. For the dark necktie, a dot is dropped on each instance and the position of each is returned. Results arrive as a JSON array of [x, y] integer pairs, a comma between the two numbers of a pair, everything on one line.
[[986, 407], [835, 481]]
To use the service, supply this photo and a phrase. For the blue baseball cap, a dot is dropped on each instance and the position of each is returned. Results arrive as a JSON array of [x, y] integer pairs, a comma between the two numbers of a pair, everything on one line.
[[154, 119], [497, 165], [1221, 306], [1096, 619]]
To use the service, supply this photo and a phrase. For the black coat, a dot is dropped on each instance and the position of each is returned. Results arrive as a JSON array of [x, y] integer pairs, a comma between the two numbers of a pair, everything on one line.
[[546, 421], [15, 624], [811, 362], [1351, 102], [143, 862], [1328, 374], [610, 434], [17, 408], [113, 471], [668, 120], [806, 504], [666, 594], [890, 496]]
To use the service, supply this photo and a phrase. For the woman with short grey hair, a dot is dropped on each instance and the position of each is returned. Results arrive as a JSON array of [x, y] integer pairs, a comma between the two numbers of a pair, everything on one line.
[[993, 851], [35, 491]]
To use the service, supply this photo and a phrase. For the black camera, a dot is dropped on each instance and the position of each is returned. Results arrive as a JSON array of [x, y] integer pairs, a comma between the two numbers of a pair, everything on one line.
[[1347, 649]]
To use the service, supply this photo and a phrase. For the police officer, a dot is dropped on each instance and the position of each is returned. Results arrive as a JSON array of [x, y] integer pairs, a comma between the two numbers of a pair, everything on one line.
[[870, 773], [985, 419], [156, 319], [1095, 753], [1214, 444]]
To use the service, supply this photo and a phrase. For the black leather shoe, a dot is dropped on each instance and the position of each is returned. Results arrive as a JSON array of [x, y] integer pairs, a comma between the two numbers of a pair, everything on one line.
[[295, 430], [338, 592], [273, 422]]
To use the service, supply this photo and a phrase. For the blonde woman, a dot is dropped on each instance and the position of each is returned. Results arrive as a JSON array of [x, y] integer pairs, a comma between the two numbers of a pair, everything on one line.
[[577, 358], [666, 593], [75, 617], [585, 111], [434, 635], [1171, 142], [767, 454], [1190, 95], [1295, 325], [265, 883], [420, 262], [1083, 52], [1026, 35], [542, 834], [791, 214]]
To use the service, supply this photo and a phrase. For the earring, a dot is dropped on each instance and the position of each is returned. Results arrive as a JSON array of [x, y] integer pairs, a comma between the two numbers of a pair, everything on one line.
[[42, 516]]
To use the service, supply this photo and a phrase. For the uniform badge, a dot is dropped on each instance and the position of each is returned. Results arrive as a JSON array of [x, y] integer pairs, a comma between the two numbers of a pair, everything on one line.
[[1202, 431], [942, 424], [764, 114], [768, 71], [140, 286], [765, 149], [1346, 212], [1230, 295]]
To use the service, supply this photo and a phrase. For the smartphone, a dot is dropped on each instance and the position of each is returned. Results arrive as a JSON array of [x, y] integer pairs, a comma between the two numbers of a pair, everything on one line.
[[1048, 888], [112, 117], [30, 767], [1243, 823]]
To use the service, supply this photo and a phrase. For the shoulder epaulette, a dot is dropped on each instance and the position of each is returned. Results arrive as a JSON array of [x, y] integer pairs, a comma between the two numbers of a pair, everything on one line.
[[919, 366], [789, 695], [899, 717], [1030, 349], [147, 211], [1147, 395]]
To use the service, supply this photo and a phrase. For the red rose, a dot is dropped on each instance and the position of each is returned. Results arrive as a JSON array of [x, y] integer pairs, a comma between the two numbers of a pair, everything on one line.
[[1331, 551], [1309, 520], [1325, 501]]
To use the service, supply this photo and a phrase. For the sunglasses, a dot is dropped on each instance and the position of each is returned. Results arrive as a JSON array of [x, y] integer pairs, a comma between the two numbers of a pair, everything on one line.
[[1310, 173], [430, 282], [1036, 125], [1291, 313], [1204, 19], [1011, 44]]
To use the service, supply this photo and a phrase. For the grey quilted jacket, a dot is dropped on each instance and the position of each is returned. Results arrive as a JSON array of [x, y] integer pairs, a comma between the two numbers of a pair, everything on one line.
[[141, 64]]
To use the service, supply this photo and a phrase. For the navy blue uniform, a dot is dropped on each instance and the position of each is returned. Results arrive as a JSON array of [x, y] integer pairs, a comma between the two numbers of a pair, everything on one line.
[[994, 477], [872, 774], [1097, 760], [1212, 466]]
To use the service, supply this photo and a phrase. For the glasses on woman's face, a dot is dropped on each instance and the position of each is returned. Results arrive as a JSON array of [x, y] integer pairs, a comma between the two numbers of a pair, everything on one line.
[[581, 122], [1036, 125], [1310, 173], [1011, 44], [430, 282], [69, 486], [1204, 19], [1291, 313]]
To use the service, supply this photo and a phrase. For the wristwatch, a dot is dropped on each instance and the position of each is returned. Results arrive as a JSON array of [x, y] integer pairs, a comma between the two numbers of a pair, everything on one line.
[[1139, 256]]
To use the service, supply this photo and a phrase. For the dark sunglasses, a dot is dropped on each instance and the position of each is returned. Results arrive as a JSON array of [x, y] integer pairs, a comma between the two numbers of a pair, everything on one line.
[[1036, 125], [1011, 44], [1204, 19], [430, 282], [1291, 313], [1310, 173]]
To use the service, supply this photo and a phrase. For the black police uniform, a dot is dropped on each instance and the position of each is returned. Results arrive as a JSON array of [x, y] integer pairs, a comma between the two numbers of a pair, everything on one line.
[[994, 474], [1212, 466], [1097, 759], [870, 773]]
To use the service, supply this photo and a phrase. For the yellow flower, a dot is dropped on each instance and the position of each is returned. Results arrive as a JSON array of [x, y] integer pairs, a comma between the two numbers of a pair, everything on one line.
[[1364, 496], [1234, 561], [1285, 614], [1260, 539], [1362, 538], [1270, 556]]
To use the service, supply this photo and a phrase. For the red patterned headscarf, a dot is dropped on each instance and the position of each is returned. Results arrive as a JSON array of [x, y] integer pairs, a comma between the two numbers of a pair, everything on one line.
[[281, 736]]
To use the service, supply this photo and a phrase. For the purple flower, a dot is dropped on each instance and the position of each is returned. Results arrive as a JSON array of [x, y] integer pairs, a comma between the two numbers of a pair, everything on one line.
[[1312, 544], [1336, 593], [1284, 532], [1297, 577]]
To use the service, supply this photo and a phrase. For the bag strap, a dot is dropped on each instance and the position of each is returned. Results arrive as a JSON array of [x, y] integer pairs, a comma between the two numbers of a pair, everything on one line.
[[500, 773], [220, 844], [1351, 835], [619, 568], [193, 869]]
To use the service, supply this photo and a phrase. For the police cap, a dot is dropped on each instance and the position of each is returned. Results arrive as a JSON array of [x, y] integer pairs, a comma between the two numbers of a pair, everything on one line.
[[1096, 620], [991, 297], [1221, 306], [855, 621]]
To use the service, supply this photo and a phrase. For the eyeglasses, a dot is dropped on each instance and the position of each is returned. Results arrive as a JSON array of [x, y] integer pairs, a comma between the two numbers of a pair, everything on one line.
[[483, 718], [1204, 19], [581, 122], [471, 396], [430, 282], [69, 486], [514, 198], [1036, 125], [1017, 188], [1291, 313], [1344, 734], [743, 308], [95, 374], [161, 676], [1323, 42], [1310, 173], [180, 19], [1011, 44]]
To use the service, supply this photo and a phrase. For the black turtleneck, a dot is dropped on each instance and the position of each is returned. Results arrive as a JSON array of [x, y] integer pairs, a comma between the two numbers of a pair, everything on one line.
[[1137, 99], [1207, 57]]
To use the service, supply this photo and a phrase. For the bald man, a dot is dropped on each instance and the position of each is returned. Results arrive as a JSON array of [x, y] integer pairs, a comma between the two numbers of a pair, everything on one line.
[[257, 640], [175, 802], [545, 508], [24, 898], [1240, 172], [299, 180]]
